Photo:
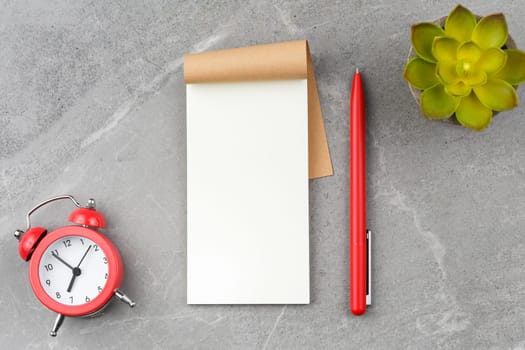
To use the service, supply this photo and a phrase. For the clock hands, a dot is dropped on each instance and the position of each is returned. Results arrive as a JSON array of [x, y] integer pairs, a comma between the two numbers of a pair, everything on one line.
[[76, 271], [62, 260], [84, 256]]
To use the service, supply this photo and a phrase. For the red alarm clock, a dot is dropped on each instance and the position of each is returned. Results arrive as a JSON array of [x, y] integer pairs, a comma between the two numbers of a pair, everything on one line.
[[74, 270]]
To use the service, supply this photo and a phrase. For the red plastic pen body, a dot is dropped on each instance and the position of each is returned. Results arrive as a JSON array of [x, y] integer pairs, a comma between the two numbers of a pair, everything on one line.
[[358, 248]]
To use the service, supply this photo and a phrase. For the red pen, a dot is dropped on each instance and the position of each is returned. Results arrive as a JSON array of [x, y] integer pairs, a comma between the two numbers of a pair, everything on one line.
[[360, 237]]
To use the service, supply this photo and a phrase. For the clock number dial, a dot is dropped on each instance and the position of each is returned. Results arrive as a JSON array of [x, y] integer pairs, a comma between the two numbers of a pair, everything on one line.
[[73, 258]]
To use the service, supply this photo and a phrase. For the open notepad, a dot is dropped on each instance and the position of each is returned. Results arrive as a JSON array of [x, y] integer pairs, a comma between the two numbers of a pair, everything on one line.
[[249, 130]]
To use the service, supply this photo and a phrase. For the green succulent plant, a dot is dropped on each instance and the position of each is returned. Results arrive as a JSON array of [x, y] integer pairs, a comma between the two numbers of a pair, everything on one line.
[[465, 68]]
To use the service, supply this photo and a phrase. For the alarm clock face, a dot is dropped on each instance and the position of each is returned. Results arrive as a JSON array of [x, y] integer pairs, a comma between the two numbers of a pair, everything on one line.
[[73, 270]]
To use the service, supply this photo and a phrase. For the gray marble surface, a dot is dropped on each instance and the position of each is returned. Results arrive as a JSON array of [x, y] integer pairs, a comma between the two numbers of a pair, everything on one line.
[[93, 104]]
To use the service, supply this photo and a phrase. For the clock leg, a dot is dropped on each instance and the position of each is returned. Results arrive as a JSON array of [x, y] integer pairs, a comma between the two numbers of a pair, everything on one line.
[[56, 325], [124, 298]]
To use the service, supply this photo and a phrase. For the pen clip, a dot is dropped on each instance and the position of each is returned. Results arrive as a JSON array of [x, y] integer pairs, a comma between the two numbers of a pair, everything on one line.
[[368, 267]]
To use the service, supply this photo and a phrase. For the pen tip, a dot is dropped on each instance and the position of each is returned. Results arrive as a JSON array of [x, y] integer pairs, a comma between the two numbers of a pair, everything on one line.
[[357, 70]]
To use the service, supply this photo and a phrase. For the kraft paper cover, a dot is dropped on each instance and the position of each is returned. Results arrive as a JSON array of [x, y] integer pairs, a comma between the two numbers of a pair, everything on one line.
[[282, 61]]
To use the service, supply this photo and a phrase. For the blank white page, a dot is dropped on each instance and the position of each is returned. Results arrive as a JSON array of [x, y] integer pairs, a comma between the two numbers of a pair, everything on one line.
[[247, 153]]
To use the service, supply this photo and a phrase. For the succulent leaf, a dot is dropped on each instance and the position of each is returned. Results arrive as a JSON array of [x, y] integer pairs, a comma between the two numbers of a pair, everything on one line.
[[491, 31], [420, 73], [472, 114], [436, 103], [513, 71], [460, 23], [497, 95], [447, 72], [423, 35], [458, 89], [444, 49], [491, 60], [475, 78], [469, 51]]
